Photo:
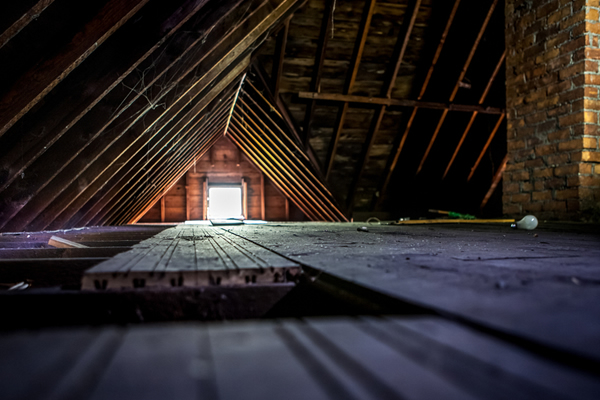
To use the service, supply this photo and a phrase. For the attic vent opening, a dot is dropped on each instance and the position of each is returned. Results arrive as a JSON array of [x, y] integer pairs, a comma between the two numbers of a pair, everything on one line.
[[225, 202]]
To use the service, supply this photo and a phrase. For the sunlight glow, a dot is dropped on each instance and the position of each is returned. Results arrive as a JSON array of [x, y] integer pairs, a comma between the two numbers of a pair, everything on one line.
[[224, 202]]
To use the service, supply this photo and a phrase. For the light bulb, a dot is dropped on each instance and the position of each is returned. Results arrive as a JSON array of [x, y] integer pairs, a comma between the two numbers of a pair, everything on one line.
[[528, 222]]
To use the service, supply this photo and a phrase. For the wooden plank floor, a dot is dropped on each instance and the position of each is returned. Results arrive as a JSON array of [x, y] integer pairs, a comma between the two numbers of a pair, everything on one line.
[[542, 286], [366, 358], [190, 256]]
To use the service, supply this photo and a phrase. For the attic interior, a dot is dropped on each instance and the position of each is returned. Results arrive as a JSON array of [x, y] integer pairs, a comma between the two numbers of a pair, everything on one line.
[[374, 154]]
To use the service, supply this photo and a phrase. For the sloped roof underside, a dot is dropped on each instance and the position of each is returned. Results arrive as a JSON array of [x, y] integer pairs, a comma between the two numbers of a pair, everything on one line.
[[105, 103]]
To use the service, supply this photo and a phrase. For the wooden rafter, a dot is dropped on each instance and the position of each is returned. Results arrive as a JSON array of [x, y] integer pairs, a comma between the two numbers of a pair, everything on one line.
[[278, 106], [35, 83], [66, 122], [485, 146], [479, 108], [278, 58], [474, 115], [315, 83], [495, 180], [461, 76], [24, 20], [389, 81], [359, 46], [392, 165], [243, 39]]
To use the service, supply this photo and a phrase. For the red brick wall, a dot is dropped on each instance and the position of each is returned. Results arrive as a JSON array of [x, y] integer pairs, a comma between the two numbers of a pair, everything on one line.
[[553, 108]]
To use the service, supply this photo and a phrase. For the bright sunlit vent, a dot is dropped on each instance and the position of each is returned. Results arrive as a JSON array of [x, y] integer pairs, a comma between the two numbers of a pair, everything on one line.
[[224, 202]]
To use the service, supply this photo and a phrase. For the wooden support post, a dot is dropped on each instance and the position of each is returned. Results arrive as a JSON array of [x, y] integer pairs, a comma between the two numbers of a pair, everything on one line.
[[163, 208], [188, 203], [262, 196], [245, 198], [205, 199], [287, 209]]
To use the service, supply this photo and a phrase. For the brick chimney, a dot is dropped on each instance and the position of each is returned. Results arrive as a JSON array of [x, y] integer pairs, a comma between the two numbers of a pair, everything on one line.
[[553, 104]]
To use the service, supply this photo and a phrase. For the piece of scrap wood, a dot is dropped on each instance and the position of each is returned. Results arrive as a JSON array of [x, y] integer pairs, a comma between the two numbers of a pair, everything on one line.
[[453, 221], [59, 242]]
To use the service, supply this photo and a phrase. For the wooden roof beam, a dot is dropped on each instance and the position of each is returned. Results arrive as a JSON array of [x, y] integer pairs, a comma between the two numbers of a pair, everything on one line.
[[23, 20], [474, 115], [35, 160], [315, 83], [479, 108], [485, 146], [461, 76], [495, 180], [394, 161], [278, 58], [35, 83], [389, 81], [245, 38], [357, 52]]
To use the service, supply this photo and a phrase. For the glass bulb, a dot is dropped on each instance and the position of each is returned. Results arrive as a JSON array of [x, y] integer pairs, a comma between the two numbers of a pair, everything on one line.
[[528, 222]]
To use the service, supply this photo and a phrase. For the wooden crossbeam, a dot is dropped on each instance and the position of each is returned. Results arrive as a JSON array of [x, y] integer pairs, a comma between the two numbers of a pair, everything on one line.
[[479, 108], [461, 76], [408, 23], [394, 161], [474, 115], [359, 46], [59, 242], [35, 83], [315, 83]]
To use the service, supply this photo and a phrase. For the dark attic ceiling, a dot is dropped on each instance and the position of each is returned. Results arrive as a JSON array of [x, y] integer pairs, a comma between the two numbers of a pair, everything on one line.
[[345, 105]]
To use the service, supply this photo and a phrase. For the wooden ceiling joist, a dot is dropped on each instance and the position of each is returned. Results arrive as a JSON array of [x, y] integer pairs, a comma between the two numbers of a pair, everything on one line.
[[278, 58], [394, 161], [389, 81], [29, 88], [359, 46], [461, 76]]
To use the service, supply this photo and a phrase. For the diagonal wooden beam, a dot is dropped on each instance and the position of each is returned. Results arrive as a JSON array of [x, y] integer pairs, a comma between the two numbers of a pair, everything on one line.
[[390, 78], [35, 83], [359, 46], [495, 181], [479, 108], [315, 83], [474, 115], [461, 76], [278, 106], [485, 147], [22, 19], [278, 58], [88, 97], [392, 165]]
